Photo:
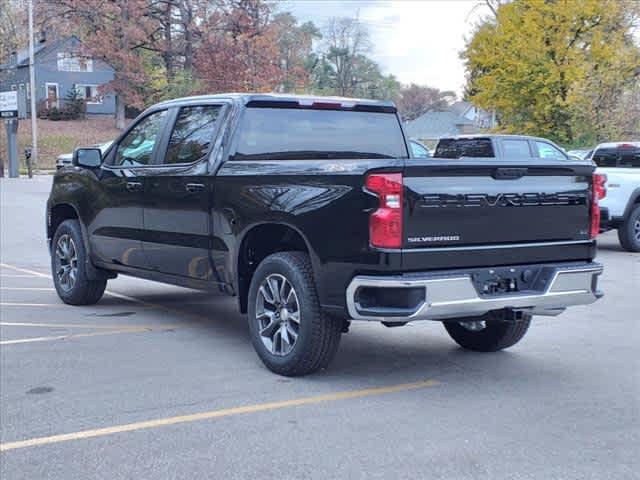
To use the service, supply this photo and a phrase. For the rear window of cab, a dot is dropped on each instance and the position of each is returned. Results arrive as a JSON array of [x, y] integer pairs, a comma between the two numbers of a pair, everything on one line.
[[315, 134], [621, 157], [464, 147]]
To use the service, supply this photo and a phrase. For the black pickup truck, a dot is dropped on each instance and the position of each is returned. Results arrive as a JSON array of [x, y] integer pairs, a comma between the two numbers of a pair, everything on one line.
[[310, 211]]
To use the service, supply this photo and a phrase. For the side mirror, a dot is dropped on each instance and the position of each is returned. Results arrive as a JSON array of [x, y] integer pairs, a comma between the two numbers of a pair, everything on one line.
[[87, 157]]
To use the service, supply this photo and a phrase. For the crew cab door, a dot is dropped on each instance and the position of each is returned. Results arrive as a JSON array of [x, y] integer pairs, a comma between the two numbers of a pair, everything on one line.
[[116, 229], [177, 219]]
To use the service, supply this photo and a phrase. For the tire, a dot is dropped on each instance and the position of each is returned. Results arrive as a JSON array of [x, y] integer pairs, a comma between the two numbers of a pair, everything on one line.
[[629, 231], [79, 290], [496, 335], [317, 336]]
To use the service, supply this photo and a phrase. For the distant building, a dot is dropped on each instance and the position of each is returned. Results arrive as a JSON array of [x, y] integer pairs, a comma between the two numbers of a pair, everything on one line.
[[481, 118], [461, 118], [60, 66]]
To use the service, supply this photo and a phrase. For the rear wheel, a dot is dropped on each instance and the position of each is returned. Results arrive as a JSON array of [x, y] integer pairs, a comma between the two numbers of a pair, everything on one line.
[[483, 335], [629, 231], [288, 330], [68, 267]]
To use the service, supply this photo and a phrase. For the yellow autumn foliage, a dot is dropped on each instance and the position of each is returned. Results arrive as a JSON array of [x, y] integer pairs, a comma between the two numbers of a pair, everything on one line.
[[561, 69]]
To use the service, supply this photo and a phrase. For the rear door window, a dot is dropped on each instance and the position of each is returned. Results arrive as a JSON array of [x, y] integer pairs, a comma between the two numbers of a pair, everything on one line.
[[464, 147], [192, 134], [313, 134], [515, 149], [546, 150]]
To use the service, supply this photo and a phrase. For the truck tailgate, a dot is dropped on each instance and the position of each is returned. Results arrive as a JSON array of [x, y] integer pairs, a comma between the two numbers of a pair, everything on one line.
[[467, 202]]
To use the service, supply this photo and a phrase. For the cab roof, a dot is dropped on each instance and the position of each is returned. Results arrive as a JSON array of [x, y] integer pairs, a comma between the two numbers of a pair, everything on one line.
[[288, 100], [493, 136]]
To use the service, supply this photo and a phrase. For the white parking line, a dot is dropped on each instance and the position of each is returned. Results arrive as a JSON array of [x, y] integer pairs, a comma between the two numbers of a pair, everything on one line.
[[24, 270], [84, 325], [121, 296], [8, 275], [18, 304], [35, 289]]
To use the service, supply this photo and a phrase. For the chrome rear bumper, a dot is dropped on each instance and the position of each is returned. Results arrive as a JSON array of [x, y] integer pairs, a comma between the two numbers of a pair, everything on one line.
[[453, 294]]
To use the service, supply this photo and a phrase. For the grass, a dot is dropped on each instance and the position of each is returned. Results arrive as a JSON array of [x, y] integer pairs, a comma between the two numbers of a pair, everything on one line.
[[55, 138]]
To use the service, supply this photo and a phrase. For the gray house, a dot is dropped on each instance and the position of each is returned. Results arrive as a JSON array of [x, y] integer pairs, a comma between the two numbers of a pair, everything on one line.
[[431, 126], [461, 118], [60, 66]]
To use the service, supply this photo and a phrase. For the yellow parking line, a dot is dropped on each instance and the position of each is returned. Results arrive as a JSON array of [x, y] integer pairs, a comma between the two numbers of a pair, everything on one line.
[[71, 336], [226, 412]]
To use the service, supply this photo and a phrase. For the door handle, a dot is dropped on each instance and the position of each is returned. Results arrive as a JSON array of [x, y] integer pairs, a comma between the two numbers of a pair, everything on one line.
[[134, 187], [194, 187]]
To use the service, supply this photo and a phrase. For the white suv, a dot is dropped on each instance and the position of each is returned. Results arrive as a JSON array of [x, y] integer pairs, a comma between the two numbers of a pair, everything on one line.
[[620, 209]]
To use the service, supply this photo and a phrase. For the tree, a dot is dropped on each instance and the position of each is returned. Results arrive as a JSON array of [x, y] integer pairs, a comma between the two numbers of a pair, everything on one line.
[[13, 31], [553, 68], [342, 67], [295, 43], [414, 100], [347, 43], [116, 32], [240, 49]]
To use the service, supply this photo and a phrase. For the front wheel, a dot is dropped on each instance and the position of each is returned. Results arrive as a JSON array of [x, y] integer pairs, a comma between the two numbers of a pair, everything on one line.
[[629, 231], [69, 267], [483, 335], [288, 330]]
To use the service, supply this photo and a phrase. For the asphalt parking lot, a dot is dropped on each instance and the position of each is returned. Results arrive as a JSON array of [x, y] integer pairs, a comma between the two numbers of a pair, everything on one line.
[[162, 382]]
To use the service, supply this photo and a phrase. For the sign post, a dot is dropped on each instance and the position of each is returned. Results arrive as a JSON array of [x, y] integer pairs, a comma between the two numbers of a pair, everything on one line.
[[9, 114]]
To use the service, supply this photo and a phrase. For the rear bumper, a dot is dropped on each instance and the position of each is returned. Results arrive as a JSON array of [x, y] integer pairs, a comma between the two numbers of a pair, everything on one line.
[[458, 293]]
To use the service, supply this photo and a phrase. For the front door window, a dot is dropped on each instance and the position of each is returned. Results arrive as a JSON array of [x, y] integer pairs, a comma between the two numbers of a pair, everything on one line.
[[136, 148]]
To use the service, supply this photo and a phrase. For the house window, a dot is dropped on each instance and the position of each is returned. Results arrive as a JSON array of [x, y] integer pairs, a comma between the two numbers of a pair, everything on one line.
[[89, 93], [71, 62]]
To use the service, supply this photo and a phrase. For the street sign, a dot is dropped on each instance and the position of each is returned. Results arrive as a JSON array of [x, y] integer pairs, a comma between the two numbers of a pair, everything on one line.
[[8, 104]]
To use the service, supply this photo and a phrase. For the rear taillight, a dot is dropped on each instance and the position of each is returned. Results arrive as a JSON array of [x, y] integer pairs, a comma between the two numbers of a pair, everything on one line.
[[598, 192], [385, 224]]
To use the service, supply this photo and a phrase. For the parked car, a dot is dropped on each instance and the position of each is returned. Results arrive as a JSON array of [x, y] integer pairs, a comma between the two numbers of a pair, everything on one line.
[[499, 147], [620, 162], [64, 160], [308, 210], [418, 149]]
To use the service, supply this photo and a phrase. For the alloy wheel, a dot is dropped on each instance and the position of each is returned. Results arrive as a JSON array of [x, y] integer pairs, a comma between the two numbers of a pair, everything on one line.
[[66, 262], [278, 314]]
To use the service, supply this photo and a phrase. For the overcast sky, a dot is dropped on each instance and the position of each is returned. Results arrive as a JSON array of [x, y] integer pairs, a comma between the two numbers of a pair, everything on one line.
[[419, 41]]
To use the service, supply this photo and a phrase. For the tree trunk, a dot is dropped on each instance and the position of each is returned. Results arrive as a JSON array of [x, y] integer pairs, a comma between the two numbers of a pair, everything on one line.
[[168, 53], [120, 120]]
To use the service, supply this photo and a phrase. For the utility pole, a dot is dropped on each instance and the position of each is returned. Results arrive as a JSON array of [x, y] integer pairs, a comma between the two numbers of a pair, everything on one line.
[[32, 87]]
